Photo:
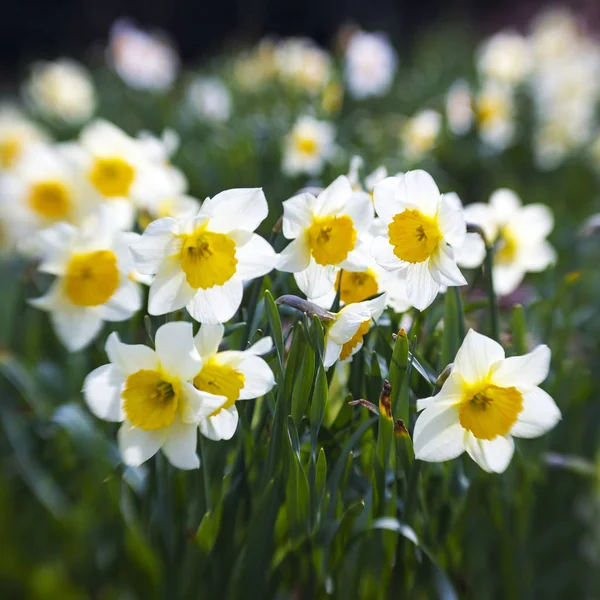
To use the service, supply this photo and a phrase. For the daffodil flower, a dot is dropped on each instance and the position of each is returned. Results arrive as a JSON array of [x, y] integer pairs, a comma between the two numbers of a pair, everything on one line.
[[327, 236], [16, 133], [486, 400], [236, 375], [202, 263], [308, 146], [93, 268], [151, 393], [422, 226]]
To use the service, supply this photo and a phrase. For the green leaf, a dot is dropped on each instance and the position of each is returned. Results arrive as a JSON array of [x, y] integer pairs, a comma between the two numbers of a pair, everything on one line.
[[276, 329], [519, 330]]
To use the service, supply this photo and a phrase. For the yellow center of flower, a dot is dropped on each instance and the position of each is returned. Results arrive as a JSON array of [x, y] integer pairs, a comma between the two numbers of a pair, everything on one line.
[[491, 108], [507, 247], [10, 148], [150, 400], [415, 236], [331, 239], [50, 199], [306, 145], [112, 177], [489, 411], [207, 258], [356, 287], [356, 339], [220, 380], [91, 278]]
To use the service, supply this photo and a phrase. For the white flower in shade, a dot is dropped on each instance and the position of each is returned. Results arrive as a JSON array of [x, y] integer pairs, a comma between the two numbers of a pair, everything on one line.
[[62, 90], [371, 180], [209, 99], [471, 253], [554, 33], [370, 65], [422, 228], [151, 393], [495, 115], [519, 234], [308, 146], [303, 64], [420, 134], [327, 236], [16, 133], [93, 269], [144, 60], [505, 58], [233, 374], [486, 400], [344, 334], [202, 263], [459, 107]]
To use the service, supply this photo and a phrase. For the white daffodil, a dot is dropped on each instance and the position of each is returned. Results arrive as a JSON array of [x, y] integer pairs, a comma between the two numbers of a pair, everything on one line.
[[505, 58], [202, 263], [151, 393], [345, 332], [144, 60], [308, 146], [327, 235], [370, 65], [459, 107], [16, 133], [486, 400], [209, 99], [94, 283], [420, 134], [233, 374], [495, 115], [471, 253], [62, 90], [302, 64], [422, 225], [519, 234]]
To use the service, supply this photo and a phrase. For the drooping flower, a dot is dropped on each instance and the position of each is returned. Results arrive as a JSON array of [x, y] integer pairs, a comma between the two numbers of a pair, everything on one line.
[[202, 263], [370, 65], [422, 228], [93, 269], [505, 58], [151, 393], [62, 90], [308, 146], [236, 375], [16, 133], [486, 400], [327, 235]]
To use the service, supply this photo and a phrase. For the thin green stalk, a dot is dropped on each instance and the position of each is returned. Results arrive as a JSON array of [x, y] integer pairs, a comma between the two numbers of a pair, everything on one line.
[[205, 474]]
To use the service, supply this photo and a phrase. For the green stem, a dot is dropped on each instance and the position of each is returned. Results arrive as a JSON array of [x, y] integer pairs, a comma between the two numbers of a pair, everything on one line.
[[205, 474]]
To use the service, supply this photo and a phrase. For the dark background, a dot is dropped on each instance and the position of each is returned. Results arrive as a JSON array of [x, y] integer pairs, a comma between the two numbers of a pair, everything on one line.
[[31, 29]]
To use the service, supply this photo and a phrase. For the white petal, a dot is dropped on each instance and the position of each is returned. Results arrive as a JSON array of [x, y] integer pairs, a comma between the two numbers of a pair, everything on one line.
[[258, 377], [438, 435], [419, 190], [130, 358], [476, 356], [297, 215], [263, 346], [255, 258], [180, 445], [452, 393], [222, 426], [472, 253], [359, 259], [126, 301], [383, 253], [197, 405], [522, 372], [208, 340], [157, 242], [395, 288], [537, 257], [348, 321], [169, 290], [176, 350], [333, 199], [332, 352], [218, 303], [316, 280], [505, 204], [102, 393], [136, 445], [537, 220], [385, 200], [360, 209], [507, 278], [421, 287], [242, 208], [76, 328], [492, 456], [443, 267], [295, 256], [539, 415], [452, 222]]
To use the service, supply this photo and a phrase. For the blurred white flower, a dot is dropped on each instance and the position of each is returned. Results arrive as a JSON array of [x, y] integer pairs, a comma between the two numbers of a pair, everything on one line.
[[420, 134], [209, 99], [144, 60], [370, 65], [495, 115], [327, 233], [151, 393], [301, 63], [202, 263], [554, 32], [459, 107], [505, 58], [308, 146], [486, 400], [62, 90], [422, 225], [16, 132], [235, 375], [93, 268]]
